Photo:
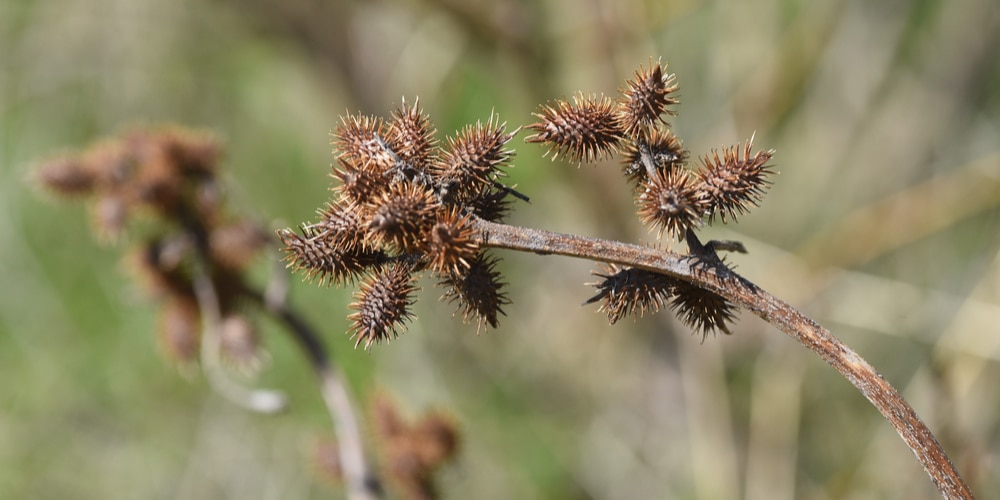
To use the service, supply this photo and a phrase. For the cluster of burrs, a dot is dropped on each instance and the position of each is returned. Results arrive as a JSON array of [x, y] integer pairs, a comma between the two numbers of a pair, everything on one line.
[[403, 205], [670, 197], [170, 175]]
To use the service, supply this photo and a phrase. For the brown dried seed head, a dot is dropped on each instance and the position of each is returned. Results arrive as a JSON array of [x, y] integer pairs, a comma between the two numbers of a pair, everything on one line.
[[67, 176], [645, 99], [319, 260], [362, 140], [671, 203], [382, 305], [734, 181], [402, 215], [586, 130], [357, 184], [626, 290], [412, 135], [342, 226], [436, 438], [477, 291], [451, 244], [666, 152], [235, 245], [475, 156], [702, 310]]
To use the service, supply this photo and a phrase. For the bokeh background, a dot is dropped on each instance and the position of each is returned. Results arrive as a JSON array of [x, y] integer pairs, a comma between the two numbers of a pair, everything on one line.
[[883, 225]]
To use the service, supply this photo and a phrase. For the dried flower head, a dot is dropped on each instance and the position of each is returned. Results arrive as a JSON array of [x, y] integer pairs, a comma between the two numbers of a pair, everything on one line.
[[411, 135], [382, 305], [474, 158], [665, 152], [402, 215], [235, 245], [360, 140], [413, 452], [319, 261], [734, 181], [451, 244], [645, 99], [701, 309], [626, 290], [477, 291], [671, 203], [586, 130], [357, 182]]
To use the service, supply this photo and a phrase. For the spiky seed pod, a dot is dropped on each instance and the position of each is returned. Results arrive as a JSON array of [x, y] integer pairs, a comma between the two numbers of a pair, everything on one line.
[[451, 243], [626, 290], [645, 99], [235, 245], [357, 183], [361, 140], [402, 215], [68, 176], [382, 305], [671, 203], [193, 153], [327, 264], [702, 310], [734, 181], [477, 291], [411, 135], [342, 226], [666, 153], [586, 130], [474, 157], [492, 204], [436, 438]]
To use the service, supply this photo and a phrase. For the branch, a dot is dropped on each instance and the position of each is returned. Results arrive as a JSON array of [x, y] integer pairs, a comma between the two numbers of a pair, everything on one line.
[[361, 481], [708, 272]]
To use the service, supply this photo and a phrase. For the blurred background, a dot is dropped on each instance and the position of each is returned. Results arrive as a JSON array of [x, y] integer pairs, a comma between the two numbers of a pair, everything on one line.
[[884, 225]]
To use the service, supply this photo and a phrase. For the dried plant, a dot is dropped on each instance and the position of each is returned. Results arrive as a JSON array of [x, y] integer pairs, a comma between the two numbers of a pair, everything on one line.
[[405, 204], [420, 207], [194, 261]]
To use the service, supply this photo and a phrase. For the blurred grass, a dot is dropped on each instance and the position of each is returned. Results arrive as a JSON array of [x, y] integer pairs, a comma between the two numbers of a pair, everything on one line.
[[866, 103]]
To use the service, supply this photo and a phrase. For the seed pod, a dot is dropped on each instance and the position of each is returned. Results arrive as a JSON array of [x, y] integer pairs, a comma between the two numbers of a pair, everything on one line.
[[402, 215], [671, 203], [626, 290], [382, 305], [645, 99], [702, 310], [735, 181], [411, 135], [328, 264], [586, 130], [451, 244], [477, 291], [475, 157], [666, 153]]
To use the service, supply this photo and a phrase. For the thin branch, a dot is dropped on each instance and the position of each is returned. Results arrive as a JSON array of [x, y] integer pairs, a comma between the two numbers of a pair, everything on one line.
[[711, 274], [259, 400], [360, 479]]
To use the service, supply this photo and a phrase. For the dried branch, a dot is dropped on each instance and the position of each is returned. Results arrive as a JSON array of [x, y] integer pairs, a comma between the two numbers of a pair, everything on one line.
[[706, 271]]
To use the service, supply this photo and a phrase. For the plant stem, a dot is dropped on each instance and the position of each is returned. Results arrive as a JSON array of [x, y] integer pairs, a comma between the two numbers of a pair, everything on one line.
[[706, 271], [360, 480]]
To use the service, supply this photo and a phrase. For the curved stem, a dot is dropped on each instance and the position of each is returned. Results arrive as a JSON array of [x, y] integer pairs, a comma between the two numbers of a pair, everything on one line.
[[711, 274], [359, 478]]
